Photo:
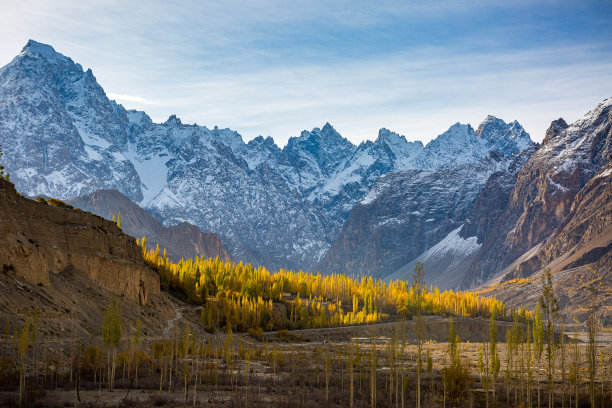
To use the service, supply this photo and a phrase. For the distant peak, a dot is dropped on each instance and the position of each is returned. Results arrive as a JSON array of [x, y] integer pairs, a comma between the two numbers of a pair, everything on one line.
[[44, 50], [386, 134], [459, 125], [35, 45], [173, 120], [491, 118], [260, 140], [556, 127]]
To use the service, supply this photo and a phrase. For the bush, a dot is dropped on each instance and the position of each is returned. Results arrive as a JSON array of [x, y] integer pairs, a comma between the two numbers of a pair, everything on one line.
[[458, 380], [58, 203], [91, 358], [286, 335], [41, 200], [257, 334]]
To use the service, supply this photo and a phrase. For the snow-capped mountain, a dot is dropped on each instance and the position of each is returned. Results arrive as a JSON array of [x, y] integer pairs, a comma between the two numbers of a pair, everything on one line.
[[62, 133], [284, 207]]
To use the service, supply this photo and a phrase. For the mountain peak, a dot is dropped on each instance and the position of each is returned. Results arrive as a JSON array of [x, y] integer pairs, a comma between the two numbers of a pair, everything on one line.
[[491, 118], [327, 126], [173, 120], [386, 135], [35, 48]]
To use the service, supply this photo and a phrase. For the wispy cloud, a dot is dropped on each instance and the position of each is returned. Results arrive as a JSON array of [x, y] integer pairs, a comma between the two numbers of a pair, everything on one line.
[[131, 99]]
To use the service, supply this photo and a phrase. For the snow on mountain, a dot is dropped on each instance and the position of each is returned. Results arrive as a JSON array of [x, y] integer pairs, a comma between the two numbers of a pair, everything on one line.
[[444, 262], [60, 133], [284, 207]]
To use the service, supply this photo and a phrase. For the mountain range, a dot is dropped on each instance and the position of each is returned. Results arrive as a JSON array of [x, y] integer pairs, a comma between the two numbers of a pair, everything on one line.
[[278, 207], [475, 205]]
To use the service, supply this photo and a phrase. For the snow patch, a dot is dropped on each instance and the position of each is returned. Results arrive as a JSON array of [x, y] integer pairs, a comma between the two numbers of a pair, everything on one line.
[[605, 173], [557, 185], [452, 243], [152, 171]]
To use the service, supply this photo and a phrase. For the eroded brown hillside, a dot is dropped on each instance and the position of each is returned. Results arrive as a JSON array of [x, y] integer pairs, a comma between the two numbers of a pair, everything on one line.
[[38, 240]]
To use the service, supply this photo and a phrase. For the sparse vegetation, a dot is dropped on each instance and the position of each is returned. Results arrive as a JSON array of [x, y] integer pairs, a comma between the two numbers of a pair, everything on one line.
[[58, 203], [5, 175]]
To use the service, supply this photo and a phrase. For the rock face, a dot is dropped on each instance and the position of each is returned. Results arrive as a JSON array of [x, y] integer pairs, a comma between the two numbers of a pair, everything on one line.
[[548, 206], [39, 240], [490, 220], [181, 241], [404, 214], [548, 183], [584, 236], [277, 207], [558, 204]]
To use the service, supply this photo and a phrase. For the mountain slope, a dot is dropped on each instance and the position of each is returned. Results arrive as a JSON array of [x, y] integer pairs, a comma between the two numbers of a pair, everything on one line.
[[59, 130], [404, 214], [547, 198], [181, 241]]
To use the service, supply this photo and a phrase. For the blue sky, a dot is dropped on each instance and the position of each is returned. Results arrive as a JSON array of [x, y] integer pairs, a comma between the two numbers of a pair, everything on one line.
[[278, 67]]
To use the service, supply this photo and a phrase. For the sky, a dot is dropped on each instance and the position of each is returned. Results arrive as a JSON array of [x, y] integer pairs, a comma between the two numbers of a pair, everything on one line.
[[275, 68]]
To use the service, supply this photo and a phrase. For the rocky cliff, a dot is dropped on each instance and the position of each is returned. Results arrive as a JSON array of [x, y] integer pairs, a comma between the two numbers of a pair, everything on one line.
[[180, 241], [37, 240], [557, 204]]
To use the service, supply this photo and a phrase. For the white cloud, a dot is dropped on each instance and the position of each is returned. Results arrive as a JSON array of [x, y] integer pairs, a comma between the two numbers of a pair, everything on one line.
[[131, 99]]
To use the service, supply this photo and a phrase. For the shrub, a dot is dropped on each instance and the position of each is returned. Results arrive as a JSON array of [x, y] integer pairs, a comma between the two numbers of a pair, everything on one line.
[[256, 333], [58, 203], [458, 380]]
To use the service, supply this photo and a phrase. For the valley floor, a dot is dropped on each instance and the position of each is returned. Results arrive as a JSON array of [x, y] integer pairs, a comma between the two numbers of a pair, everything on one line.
[[301, 368]]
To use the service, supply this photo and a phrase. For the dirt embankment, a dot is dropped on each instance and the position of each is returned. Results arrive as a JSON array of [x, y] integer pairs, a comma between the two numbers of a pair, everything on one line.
[[37, 240]]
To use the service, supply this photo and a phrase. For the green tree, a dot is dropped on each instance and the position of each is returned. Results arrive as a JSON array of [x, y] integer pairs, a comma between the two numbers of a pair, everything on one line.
[[483, 369], [538, 340], [418, 284], [494, 356], [111, 337], [24, 342], [136, 354], [550, 309], [456, 375]]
